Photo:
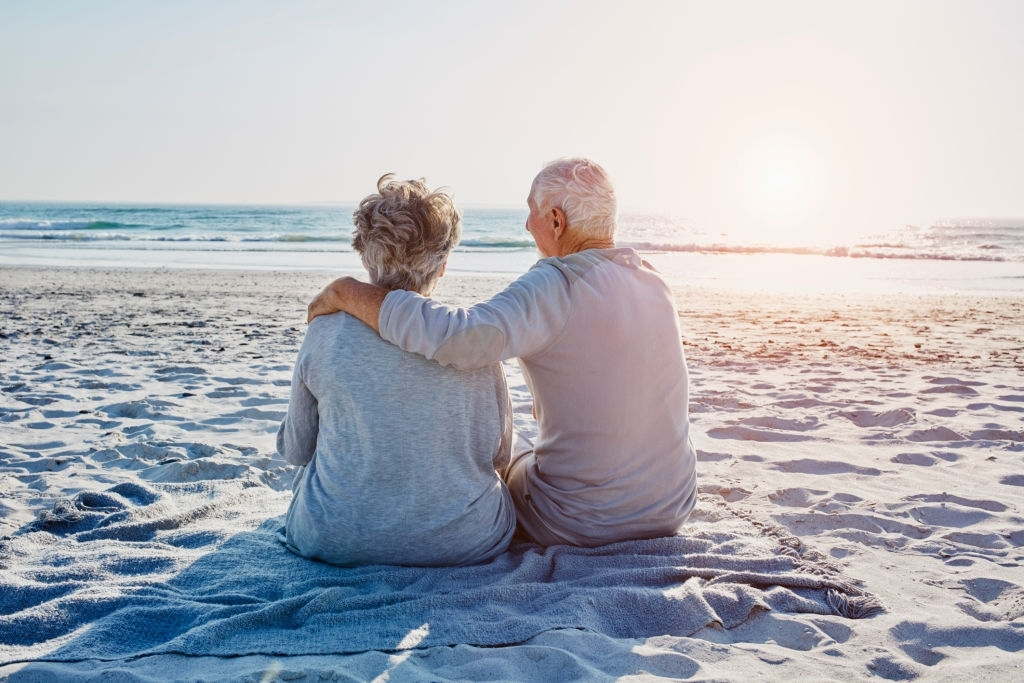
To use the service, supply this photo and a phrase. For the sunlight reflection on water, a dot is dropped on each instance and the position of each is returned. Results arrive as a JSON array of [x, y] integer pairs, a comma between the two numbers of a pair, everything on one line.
[[826, 274]]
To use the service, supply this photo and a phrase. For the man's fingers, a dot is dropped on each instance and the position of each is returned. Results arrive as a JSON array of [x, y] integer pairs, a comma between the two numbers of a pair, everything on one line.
[[315, 308], [326, 301]]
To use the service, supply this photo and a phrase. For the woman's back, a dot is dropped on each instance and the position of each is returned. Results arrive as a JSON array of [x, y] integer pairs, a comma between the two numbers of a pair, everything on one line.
[[405, 453]]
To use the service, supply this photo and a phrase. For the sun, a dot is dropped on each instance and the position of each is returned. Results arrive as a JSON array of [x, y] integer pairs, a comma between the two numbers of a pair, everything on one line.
[[778, 192]]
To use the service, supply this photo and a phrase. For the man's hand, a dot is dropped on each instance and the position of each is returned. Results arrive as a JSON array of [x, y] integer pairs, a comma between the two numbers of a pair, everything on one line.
[[347, 294], [328, 300]]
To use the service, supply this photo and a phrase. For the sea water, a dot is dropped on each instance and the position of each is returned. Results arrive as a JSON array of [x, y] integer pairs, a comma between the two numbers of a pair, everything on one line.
[[968, 255]]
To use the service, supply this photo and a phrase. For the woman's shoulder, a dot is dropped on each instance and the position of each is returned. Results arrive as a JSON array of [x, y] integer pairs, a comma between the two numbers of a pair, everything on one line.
[[326, 333], [334, 323]]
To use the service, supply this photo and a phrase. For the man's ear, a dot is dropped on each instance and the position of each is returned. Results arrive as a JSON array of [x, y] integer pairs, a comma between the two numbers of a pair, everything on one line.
[[558, 221]]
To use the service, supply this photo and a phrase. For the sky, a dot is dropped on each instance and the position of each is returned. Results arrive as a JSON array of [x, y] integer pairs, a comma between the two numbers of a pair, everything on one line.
[[821, 117]]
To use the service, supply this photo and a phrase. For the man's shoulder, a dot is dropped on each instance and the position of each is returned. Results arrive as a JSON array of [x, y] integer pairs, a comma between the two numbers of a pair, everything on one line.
[[557, 270], [577, 266]]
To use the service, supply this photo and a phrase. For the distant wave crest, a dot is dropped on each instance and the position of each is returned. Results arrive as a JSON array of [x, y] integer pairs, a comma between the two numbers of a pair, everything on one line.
[[64, 226], [108, 234], [874, 251], [101, 231], [496, 243]]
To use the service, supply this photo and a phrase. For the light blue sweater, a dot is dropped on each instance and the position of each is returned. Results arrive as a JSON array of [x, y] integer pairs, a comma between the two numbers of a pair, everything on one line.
[[400, 453], [597, 337]]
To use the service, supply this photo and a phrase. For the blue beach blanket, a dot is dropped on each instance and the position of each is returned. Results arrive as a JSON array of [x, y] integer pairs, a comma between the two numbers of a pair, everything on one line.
[[165, 569]]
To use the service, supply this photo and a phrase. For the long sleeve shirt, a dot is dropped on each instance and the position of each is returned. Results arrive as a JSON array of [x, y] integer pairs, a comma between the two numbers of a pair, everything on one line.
[[597, 337], [400, 453]]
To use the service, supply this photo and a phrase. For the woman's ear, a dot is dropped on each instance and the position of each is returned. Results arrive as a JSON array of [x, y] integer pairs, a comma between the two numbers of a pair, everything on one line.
[[444, 267]]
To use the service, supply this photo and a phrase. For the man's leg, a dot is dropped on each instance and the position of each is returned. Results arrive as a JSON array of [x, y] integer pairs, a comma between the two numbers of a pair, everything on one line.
[[529, 525]]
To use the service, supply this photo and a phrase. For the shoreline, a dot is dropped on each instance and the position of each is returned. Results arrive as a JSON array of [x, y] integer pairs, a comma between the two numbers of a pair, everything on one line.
[[770, 273]]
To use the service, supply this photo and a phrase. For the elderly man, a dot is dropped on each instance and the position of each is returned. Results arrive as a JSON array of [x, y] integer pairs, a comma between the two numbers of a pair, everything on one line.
[[596, 333]]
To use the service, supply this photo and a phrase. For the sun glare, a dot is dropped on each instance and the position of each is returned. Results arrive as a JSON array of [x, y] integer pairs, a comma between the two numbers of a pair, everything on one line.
[[778, 190]]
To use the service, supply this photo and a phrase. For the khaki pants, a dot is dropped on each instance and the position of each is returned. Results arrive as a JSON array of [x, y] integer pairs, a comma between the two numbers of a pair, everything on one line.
[[530, 525]]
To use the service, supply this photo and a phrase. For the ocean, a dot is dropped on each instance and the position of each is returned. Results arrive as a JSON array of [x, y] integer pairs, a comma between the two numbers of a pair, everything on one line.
[[966, 255]]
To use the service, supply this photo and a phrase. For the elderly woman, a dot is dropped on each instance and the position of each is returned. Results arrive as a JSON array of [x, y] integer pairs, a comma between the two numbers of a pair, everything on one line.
[[399, 452], [597, 336]]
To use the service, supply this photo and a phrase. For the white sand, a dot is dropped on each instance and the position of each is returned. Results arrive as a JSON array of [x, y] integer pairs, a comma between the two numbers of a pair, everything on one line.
[[885, 431]]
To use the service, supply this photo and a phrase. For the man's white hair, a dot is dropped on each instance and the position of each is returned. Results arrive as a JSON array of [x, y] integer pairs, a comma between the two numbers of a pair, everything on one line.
[[583, 190]]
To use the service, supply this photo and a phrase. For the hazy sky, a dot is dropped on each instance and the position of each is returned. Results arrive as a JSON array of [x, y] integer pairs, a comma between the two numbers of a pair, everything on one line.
[[820, 115]]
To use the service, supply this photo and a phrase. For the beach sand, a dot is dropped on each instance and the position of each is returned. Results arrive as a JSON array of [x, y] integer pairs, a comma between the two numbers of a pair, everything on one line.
[[885, 432]]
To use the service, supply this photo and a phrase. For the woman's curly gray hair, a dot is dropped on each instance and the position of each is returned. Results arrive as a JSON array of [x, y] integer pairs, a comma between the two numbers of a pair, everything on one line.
[[405, 232]]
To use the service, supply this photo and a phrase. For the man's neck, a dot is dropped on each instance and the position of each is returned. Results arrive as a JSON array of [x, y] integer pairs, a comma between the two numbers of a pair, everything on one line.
[[570, 245]]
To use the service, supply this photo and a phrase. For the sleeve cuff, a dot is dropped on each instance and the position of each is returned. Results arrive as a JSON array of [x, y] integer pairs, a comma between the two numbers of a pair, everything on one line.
[[392, 300]]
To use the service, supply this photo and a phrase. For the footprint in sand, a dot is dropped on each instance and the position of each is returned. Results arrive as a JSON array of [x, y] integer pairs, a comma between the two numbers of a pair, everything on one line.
[[194, 470], [158, 451], [236, 381], [919, 459], [863, 528], [226, 392], [716, 401], [868, 418], [924, 459], [943, 412], [921, 641], [264, 401], [935, 434], [57, 414], [820, 501], [959, 389], [998, 435], [804, 425], [952, 381], [176, 462], [144, 409], [804, 403], [995, 406], [981, 541], [181, 370], [748, 434], [785, 632], [730, 494], [892, 669], [797, 498], [273, 416], [39, 401], [823, 467], [943, 510], [97, 385], [1000, 600], [981, 504], [54, 365]]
